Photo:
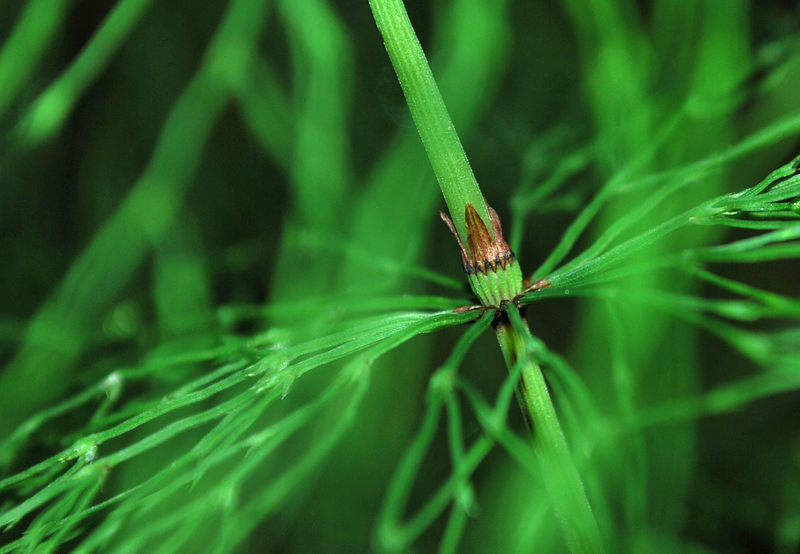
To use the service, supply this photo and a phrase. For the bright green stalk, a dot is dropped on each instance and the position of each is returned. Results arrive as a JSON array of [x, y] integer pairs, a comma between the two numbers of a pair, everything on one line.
[[493, 272], [560, 475], [430, 115]]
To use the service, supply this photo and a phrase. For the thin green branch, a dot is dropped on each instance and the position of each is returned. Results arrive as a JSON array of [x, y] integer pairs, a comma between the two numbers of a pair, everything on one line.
[[37, 26], [391, 534], [53, 106]]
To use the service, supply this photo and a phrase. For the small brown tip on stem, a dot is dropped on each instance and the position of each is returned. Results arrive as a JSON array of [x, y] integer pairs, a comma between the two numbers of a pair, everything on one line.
[[483, 252], [486, 252], [491, 267], [464, 254], [502, 246], [478, 239]]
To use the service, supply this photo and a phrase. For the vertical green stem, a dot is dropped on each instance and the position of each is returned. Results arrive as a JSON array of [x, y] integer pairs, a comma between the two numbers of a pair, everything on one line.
[[561, 477], [459, 188], [430, 115]]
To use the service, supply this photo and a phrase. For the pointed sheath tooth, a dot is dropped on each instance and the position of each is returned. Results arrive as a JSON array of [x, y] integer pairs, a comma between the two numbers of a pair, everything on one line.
[[500, 243], [465, 261], [497, 229], [478, 239]]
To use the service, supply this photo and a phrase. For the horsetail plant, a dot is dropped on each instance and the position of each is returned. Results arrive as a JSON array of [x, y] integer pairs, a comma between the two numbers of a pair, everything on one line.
[[232, 369], [492, 270]]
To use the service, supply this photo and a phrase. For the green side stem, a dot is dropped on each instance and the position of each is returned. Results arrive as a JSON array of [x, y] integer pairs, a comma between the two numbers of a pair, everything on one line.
[[430, 115], [563, 483]]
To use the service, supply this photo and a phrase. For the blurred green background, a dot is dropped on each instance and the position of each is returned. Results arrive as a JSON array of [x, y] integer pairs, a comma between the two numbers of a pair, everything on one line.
[[166, 167]]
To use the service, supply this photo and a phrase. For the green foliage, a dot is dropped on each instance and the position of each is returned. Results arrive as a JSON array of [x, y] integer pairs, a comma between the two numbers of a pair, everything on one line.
[[226, 285]]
